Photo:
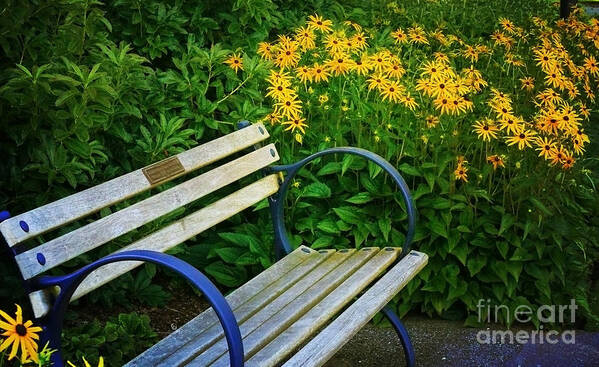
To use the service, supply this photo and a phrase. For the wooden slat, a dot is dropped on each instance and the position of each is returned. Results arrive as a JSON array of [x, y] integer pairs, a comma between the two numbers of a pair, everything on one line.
[[286, 300], [264, 331], [336, 334], [173, 234], [88, 201], [204, 329], [83, 239]]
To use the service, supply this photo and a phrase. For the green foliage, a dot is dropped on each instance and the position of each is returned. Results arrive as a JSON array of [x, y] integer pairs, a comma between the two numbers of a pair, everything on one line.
[[118, 340]]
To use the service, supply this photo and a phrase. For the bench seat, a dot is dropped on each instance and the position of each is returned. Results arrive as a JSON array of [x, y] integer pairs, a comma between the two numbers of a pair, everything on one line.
[[281, 308]]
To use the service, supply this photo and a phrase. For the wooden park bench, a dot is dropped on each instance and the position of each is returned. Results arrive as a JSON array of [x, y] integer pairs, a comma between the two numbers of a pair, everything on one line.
[[286, 314]]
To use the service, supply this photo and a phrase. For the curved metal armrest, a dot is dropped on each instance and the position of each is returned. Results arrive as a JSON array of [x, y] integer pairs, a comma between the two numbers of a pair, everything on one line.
[[69, 283], [276, 202]]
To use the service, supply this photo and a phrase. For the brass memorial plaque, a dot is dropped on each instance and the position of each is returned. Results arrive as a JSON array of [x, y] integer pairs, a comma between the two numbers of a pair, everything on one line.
[[163, 170]]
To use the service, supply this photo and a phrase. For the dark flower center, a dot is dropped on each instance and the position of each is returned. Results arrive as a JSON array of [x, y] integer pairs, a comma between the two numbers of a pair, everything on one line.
[[288, 53], [497, 159], [280, 88], [391, 89], [461, 172], [21, 329], [547, 147], [486, 128], [434, 70], [288, 103], [545, 58], [444, 101], [379, 60], [566, 118], [319, 22], [340, 61], [522, 136], [236, 61]]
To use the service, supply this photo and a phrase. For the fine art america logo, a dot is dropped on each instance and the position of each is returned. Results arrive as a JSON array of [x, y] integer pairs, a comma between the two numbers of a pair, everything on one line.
[[546, 314]]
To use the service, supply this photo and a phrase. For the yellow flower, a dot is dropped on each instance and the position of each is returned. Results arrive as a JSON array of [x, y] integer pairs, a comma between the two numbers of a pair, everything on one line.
[[485, 130], [380, 61], [528, 83], [399, 36], [359, 41], [318, 23], [545, 146], [86, 363], [265, 50], [340, 64], [409, 102], [362, 66], [461, 173], [392, 91], [280, 92], [319, 72], [299, 138], [295, 122], [524, 139], [323, 98], [395, 69], [304, 74], [591, 66], [19, 333], [334, 44], [289, 107], [432, 121], [305, 37], [496, 160], [235, 62]]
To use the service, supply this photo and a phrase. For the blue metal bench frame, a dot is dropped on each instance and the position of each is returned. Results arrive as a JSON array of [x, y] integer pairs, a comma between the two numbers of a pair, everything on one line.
[[53, 322]]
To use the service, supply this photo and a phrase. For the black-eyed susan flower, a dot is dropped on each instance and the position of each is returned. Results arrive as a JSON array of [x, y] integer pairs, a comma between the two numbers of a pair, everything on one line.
[[393, 92], [19, 334], [280, 92], [568, 160], [511, 124], [334, 44], [362, 66], [377, 81], [289, 107], [524, 139], [340, 64], [591, 66], [235, 62], [295, 122], [395, 69], [527, 83], [409, 102], [304, 74], [380, 61], [496, 161], [431, 121], [320, 72], [545, 146], [316, 22], [359, 41], [399, 36], [486, 130], [443, 104], [461, 173], [305, 37]]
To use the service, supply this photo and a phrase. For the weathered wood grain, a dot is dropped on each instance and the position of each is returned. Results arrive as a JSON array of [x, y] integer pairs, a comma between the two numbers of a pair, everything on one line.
[[300, 290], [361, 263], [205, 329], [174, 234], [83, 239], [322, 347], [73, 207]]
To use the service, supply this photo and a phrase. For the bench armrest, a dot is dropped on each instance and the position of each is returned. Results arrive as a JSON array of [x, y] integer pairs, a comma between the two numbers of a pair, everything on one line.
[[69, 283], [283, 246]]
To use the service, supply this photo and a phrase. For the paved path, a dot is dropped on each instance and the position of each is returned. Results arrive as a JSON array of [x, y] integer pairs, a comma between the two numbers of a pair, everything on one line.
[[447, 343]]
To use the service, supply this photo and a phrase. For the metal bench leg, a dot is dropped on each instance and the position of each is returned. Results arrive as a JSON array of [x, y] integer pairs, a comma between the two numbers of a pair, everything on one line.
[[402, 332]]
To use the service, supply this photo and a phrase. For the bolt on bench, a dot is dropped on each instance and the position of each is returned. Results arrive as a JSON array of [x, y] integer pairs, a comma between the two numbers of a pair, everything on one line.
[[290, 307]]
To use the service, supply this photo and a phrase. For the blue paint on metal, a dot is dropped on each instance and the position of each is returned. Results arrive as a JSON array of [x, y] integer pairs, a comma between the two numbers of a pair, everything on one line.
[[402, 332], [282, 244], [52, 328], [243, 124], [4, 215], [41, 258], [24, 226]]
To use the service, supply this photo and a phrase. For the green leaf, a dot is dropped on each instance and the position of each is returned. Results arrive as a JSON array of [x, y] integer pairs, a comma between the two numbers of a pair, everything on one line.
[[329, 168], [317, 190], [349, 214], [328, 225], [360, 198], [409, 169], [507, 220], [475, 264], [322, 242], [385, 227]]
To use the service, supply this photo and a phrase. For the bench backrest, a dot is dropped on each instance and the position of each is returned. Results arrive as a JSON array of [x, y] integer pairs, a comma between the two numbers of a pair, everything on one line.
[[56, 251]]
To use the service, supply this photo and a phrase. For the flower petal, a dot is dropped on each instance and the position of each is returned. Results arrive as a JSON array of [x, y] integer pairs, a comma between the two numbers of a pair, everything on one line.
[[9, 319], [19, 314], [7, 342], [15, 347]]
